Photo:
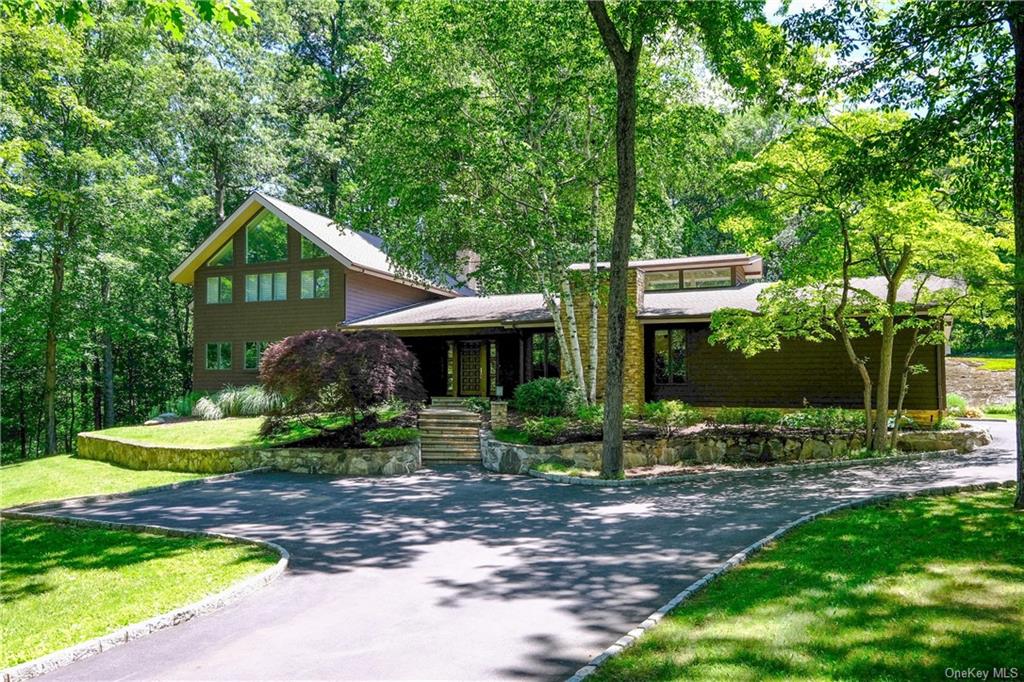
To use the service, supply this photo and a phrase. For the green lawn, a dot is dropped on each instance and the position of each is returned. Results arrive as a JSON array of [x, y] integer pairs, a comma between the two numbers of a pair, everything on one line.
[[62, 585], [895, 592], [218, 433], [62, 476], [996, 364]]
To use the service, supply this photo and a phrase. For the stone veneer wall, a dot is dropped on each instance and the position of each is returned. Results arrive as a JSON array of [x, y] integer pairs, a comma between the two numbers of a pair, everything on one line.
[[401, 459], [633, 393], [716, 446]]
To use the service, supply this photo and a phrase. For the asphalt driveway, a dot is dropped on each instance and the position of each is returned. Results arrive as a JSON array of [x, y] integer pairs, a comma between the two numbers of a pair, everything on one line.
[[462, 574]]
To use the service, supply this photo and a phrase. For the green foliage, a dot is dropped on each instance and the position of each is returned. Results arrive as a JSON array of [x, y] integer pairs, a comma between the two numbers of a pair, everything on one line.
[[477, 404], [543, 397], [830, 418], [246, 401], [181, 406], [1003, 408], [207, 410], [946, 424], [956, 402], [748, 415], [543, 430], [591, 415], [390, 435], [671, 416], [511, 435]]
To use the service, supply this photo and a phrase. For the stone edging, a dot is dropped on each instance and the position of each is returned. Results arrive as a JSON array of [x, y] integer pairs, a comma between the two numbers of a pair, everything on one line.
[[743, 555], [229, 595], [104, 497], [735, 473]]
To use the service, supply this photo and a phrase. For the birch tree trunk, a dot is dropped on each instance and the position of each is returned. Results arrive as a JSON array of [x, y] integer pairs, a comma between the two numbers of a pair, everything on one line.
[[575, 351], [595, 291]]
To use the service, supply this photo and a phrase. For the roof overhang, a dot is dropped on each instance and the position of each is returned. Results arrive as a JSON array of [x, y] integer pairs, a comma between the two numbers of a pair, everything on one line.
[[185, 272]]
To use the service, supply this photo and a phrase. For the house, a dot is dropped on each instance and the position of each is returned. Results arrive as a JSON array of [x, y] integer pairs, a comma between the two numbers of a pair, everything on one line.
[[273, 269]]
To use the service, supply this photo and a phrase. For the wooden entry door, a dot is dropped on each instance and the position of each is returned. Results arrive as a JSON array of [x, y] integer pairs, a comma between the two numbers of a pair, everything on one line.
[[471, 368]]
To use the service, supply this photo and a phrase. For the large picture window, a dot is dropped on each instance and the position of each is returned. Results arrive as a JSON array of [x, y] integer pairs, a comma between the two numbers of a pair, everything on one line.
[[669, 356], [224, 257], [218, 290], [315, 283], [218, 355], [266, 286], [310, 250], [698, 278], [544, 357], [266, 239], [253, 353]]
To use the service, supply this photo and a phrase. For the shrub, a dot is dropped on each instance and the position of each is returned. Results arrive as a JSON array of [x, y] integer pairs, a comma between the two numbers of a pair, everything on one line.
[[510, 435], [671, 415], [1004, 408], [389, 409], [956, 404], [206, 409], [543, 397], [543, 430], [830, 418], [477, 404], [946, 424], [390, 435], [247, 401], [591, 415], [334, 371], [748, 415]]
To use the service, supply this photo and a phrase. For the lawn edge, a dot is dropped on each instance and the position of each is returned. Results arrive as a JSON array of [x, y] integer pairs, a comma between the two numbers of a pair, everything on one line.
[[748, 552], [104, 497], [229, 595], [739, 472]]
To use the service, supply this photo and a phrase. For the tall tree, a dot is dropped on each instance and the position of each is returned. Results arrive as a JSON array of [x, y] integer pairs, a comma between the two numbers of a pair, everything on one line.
[[960, 65], [724, 32]]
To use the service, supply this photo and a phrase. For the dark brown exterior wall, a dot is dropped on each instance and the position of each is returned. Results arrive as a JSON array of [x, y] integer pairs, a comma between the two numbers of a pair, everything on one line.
[[238, 321], [819, 373]]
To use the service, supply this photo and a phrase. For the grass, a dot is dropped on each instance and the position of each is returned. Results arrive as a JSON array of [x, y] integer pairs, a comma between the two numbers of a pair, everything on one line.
[[52, 478], [993, 364], [62, 585], [894, 592], [564, 469], [218, 433]]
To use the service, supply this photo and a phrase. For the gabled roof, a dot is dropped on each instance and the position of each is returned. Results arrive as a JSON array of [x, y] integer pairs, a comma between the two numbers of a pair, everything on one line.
[[348, 247], [506, 310]]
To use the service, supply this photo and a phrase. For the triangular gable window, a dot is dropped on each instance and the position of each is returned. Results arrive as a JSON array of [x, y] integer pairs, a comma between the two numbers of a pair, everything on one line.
[[226, 255], [311, 250]]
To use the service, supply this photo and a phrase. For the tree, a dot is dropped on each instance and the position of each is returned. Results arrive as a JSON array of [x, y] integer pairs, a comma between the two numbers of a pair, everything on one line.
[[344, 372], [828, 225], [484, 134], [961, 66], [724, 31]]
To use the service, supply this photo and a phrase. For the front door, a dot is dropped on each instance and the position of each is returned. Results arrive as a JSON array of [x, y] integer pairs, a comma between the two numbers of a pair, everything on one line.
[[470, 368]]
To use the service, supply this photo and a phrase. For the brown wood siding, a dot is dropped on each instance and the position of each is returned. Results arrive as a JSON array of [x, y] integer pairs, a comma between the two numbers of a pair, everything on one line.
[[368, 295], [238, 321], [802, 371]]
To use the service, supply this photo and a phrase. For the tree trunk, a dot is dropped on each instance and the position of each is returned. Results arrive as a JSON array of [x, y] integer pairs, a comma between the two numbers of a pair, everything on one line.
[[97, 394], [880, 440], [625, 61], [595, 291], [894, 437], [108, 358], [50, 366], [575, 353], [1017, 31]]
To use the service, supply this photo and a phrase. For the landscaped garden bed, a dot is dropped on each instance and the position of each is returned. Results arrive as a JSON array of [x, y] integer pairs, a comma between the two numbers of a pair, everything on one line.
[[672, 438], [905, 590]]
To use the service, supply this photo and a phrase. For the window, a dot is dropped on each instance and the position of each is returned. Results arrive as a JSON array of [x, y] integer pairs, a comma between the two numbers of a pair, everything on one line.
[[661, 281], [315, 283], [310, 250], [669, 356], [253, 353], [218, 355], [218, 290], [266, 286], [699, 278], [492, 366], [266, 239], [707, 277], [226, 256], [544, 357]]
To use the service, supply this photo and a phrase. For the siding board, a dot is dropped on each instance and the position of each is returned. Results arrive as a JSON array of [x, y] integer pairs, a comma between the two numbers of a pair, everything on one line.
[[367, 295]]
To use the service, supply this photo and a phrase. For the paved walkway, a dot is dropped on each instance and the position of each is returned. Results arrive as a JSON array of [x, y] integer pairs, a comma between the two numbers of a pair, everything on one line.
[[460, 574]]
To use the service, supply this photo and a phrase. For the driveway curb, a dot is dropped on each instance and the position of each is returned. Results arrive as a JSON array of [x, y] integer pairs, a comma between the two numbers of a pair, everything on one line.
[[229, 595], [743, 555], [736, 473]]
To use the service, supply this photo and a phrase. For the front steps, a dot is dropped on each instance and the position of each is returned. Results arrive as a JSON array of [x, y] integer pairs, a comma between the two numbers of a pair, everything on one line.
[[449, 434]]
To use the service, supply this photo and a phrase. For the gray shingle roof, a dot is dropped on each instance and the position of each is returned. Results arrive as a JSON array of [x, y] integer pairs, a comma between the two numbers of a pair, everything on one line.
[[507, 309]]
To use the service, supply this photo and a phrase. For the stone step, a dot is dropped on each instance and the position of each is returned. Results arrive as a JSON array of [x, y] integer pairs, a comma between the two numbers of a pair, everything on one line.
[[463, 431], [449, 414], [426, 450]]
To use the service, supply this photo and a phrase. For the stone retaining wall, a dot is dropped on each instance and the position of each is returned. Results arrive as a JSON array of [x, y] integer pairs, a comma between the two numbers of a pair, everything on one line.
[[716, 446], [390, 461]]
